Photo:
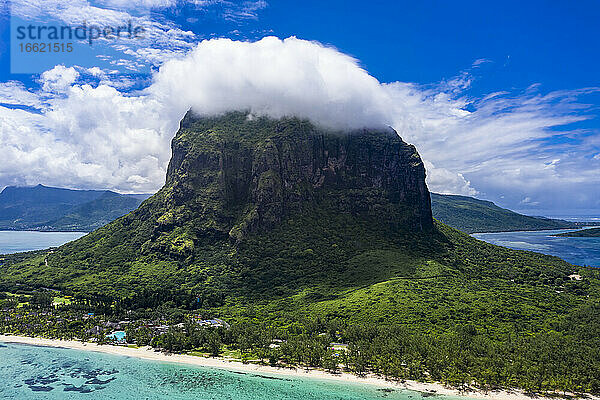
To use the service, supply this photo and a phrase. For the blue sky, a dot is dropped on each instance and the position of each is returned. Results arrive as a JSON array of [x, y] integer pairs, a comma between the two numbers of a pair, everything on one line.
[[500, 98], [536, 41]]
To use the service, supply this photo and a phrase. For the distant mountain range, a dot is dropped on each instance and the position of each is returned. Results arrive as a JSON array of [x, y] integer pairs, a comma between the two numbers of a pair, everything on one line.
[[473, 215], [56, 209]]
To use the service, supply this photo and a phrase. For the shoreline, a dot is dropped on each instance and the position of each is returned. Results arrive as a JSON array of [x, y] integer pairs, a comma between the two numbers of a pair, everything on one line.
[[147, 353]]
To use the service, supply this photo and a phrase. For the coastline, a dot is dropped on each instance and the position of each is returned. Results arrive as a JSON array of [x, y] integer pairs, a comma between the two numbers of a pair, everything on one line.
[[147, 353]]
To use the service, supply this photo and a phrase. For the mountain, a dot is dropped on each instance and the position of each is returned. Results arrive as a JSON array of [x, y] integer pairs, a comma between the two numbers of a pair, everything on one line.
[[472, 215], [57, 209], [232, 181], [591, 232], [287, 230], [263, 208], [96, 213], [25, 207]]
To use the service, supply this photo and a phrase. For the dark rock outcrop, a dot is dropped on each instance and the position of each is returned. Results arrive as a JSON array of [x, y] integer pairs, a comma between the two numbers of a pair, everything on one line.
[[249, 177]]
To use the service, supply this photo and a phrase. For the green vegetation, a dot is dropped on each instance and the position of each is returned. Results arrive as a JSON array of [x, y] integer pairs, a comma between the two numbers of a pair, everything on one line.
[[473, 215], [297, 260], [591, 232], [56, 209]]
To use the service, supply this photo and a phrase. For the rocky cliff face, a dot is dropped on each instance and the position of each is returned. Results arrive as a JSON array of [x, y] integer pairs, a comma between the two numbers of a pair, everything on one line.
[[253, 205], [233, 175]]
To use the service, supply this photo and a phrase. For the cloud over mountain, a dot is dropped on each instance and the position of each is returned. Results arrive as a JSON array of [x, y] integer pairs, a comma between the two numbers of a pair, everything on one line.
[[90, 133], [277, 78]]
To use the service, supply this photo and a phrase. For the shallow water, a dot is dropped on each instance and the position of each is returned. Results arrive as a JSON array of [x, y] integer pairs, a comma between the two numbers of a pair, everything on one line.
[[17, 241], [30, 372], [576, 250]]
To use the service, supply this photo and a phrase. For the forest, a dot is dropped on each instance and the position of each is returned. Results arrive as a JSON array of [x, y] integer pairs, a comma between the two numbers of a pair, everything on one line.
[[564, 359]]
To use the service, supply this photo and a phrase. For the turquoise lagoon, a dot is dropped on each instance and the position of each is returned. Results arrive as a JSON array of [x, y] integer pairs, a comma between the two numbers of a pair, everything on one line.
[[32, 372]]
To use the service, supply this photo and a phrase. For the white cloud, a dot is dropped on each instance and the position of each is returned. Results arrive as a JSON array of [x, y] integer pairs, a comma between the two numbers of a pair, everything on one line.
[[243, 10], [137, 4], [274, 77], [92, 137], [14, 92], [58, 79], [440, 180], [509, 146], [95, 71], [480, 61], [528, 202], [233, 10]]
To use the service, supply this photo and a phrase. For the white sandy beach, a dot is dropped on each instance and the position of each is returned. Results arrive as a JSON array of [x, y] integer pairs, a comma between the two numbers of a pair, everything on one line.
[[148, 353]]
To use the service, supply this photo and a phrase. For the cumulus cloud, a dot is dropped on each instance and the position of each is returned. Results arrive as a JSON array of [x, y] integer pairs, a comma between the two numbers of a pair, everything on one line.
[[443, 181], [504, 146], [92, 137], [528, 202], [58, 79], [277, 78]]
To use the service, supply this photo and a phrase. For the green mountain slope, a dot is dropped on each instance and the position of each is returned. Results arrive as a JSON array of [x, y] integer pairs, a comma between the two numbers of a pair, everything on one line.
[[279, 226], [472, 215], [57, 209], [231, 179], [263, 208], [255, 211]]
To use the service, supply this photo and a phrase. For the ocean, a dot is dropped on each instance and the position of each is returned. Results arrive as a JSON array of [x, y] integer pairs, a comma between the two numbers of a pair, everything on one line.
[[576, 250], [30, 372], [17, 241]]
